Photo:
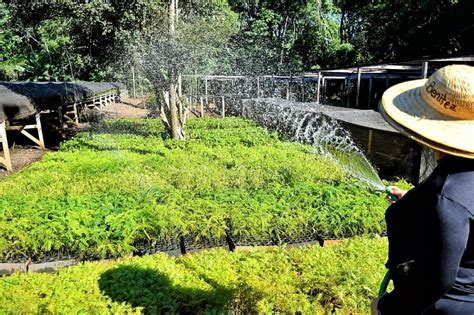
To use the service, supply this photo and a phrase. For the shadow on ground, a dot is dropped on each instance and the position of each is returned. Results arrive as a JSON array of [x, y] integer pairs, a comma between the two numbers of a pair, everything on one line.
[[155, 292]]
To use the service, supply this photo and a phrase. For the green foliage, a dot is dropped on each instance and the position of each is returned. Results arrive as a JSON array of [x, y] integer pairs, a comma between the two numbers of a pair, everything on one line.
[[285, 36], [12, 62], [124, 184], [306, 280], [399, 30], [101, 40], [70, 39], [53, 59]]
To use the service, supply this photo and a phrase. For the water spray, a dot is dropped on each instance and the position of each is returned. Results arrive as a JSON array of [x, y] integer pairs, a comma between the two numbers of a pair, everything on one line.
[[308, 125]]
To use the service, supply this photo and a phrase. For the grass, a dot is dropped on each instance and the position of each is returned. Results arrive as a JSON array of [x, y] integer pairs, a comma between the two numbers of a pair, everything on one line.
[[125, 184], [276, 280]]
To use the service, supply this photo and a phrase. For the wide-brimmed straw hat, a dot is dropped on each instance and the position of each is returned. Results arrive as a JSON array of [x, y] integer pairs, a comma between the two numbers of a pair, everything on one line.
[[437, 112]]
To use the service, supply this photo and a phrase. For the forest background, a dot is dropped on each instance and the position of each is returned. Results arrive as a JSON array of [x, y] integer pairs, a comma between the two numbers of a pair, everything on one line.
[[100, 40]]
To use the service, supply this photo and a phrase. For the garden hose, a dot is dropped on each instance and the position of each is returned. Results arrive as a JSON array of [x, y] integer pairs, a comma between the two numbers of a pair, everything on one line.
[[384, 284]]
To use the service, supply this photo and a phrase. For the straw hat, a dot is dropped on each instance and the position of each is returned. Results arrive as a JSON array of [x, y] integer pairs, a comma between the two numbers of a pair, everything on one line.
[[437, 112]]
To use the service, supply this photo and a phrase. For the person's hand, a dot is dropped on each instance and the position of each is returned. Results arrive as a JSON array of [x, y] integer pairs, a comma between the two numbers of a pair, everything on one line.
[[395, 191], [373, 307]]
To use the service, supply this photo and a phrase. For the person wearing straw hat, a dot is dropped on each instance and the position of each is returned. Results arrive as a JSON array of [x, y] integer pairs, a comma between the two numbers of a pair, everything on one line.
[[431, 228]]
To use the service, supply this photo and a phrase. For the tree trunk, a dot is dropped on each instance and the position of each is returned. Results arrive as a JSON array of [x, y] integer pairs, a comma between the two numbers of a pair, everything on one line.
[[175, 119], [341, 26], [172, 17], [174, 116]]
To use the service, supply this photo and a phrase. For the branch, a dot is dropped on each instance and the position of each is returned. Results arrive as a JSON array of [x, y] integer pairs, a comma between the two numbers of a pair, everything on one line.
[[165, 109]]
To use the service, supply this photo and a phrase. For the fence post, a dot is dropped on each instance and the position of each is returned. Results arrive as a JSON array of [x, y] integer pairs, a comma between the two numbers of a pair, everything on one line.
[[424, 70], [202, 107], [318, 88], [223, 107], [358, 88]]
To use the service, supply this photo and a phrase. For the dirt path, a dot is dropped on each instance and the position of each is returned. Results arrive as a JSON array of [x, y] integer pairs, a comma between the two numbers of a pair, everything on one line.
[[125, 110]]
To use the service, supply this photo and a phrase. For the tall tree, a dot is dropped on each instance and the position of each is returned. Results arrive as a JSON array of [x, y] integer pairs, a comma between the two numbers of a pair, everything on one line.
[[185, 45], [177, 114]]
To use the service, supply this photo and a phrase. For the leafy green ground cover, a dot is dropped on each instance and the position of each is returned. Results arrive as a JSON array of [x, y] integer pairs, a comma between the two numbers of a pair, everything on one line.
[[125, 184], [276, 280]]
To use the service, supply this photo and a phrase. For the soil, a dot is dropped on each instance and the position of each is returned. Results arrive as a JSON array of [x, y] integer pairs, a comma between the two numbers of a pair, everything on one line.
[[129, 108], [22, 157]]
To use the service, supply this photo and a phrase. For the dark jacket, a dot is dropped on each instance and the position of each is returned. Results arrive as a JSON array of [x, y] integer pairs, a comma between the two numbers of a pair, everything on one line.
[[431, 249]]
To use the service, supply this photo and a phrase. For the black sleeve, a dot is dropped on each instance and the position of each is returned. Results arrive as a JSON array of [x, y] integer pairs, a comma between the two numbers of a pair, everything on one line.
[[443, 264], [436, 268]]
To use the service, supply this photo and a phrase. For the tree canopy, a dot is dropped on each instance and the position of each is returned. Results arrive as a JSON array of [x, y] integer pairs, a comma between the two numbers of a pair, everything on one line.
[[90, 40]]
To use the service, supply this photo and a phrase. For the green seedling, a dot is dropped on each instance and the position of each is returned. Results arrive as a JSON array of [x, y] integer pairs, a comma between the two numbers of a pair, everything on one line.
[[124, 184]]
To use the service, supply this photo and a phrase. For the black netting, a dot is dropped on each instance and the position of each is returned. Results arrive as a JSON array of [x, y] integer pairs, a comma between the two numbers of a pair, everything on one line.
[[22, 99]]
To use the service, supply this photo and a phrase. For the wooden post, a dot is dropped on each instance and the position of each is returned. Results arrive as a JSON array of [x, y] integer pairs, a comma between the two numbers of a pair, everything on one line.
[[223, 106], [40, 131], [23, 130], [424, 70], [318, 89], [6, 160], [358, 88], [287, 89], [370, 93], [202, 107]]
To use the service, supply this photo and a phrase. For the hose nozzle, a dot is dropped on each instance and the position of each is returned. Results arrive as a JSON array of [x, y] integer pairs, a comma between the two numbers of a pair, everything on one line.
[[388, 191]]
